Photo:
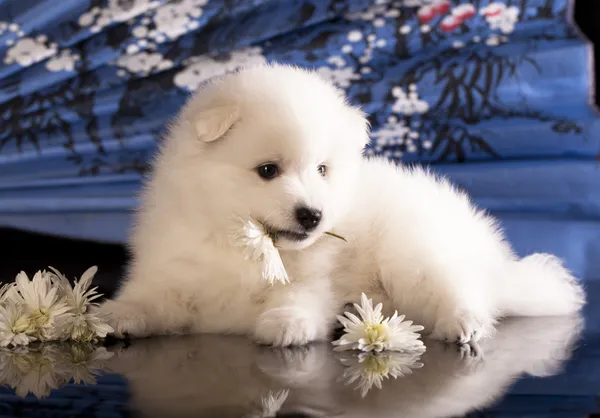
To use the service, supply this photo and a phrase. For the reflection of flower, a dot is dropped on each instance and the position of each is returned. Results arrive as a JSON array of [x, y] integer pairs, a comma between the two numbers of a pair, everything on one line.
[[40, 369], [373, 368], [270, 404], [258, 246], [64, 61], [83, 362], [371, 332]]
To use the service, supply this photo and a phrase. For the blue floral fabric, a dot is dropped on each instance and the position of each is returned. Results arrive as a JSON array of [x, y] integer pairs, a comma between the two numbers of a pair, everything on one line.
[[495, 94]]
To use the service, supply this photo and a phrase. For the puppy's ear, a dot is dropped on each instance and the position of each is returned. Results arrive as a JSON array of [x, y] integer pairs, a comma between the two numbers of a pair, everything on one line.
[[212, 124]]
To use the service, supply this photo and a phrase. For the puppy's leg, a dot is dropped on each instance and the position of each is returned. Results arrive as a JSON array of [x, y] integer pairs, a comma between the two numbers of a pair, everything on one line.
[[296, 314], [145, 307], [447, 301]]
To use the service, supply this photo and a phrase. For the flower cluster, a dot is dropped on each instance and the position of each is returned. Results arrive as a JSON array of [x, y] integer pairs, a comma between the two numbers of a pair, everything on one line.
[[400, 134], [40, 368], [48, 308]]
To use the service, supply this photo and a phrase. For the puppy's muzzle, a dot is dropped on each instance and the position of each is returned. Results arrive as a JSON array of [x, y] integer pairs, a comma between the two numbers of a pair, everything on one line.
[[308, 218]]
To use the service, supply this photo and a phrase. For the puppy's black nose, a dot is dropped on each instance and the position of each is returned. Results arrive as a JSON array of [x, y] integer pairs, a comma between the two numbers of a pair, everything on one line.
[[309, 218]]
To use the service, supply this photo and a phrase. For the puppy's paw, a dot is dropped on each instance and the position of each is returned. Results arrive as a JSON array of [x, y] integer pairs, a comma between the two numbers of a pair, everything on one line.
[[286, 326], [124, 318], [462, 328]]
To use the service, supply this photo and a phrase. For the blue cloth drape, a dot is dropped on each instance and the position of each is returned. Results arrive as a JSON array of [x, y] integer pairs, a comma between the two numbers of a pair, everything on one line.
[[494, 94]]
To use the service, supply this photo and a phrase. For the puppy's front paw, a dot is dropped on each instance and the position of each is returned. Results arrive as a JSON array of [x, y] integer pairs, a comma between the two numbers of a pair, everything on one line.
[[286, 326], [461, 328], [124, 318]]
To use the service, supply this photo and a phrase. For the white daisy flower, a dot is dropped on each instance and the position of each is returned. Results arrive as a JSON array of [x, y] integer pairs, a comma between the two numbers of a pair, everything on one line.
[[84, 327], [78, 297], [78, 324], [6, 293], [41, 301], [48, 308], [372, 332], [371, 369], [259, 247], [16, 327]]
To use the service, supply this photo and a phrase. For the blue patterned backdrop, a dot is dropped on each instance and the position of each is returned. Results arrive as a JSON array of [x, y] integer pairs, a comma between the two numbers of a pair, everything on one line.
[[494, 94]]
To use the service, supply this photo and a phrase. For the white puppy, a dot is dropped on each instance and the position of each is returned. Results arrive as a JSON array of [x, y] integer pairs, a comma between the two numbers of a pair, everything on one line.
[[281, 145]]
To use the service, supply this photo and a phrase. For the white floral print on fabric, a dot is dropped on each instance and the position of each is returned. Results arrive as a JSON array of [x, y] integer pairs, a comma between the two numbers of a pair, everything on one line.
[[28, 51], [11, 27], [173, 20], [116, 11], [165, 22], [142, 63], [410, 103], [341, 77], [65, 60], [501, 17], [338, 71], [442, 14], [199, 69], [397, 131]]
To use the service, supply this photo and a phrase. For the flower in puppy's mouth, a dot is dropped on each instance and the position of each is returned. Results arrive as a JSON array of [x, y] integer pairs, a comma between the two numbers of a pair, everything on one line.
[[373, 332], [258, 242], [371, 369], [275, 234], [258, 246]]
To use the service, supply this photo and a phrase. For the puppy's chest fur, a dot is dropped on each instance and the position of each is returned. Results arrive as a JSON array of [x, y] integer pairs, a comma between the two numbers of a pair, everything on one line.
[[349, 268]]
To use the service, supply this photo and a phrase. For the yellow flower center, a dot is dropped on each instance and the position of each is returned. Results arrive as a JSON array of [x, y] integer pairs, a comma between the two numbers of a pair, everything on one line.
[[40, 317], [376, 332], [22, 324], [374, 365]]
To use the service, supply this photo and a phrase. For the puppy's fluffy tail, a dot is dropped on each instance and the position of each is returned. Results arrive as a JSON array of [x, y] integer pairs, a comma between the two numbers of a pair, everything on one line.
[[539, 285]]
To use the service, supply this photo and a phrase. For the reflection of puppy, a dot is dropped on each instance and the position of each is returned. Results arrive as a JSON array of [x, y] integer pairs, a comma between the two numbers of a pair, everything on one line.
[[221, 376], [282, 146]]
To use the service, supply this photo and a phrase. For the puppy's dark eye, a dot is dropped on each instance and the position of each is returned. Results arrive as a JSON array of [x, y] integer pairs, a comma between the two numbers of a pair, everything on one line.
[[268, 171], [322, 169]]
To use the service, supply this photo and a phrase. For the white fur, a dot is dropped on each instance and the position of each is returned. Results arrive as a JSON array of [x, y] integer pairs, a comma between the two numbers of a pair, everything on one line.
[[414, 241]]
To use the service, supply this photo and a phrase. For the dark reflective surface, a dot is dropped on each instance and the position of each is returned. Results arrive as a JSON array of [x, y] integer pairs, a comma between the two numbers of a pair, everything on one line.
[[533, 367]]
